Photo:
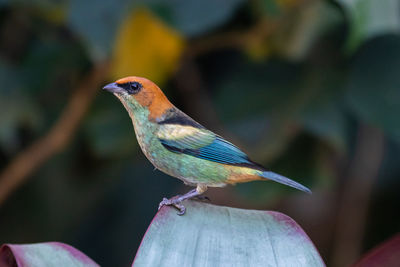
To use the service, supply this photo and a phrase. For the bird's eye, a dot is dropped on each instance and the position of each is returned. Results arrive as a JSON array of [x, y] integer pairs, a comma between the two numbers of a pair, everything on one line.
[[131, 87], [134, 87]]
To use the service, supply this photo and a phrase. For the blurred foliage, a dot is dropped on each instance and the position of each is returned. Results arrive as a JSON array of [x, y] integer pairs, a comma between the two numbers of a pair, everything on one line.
[[376, 99], [369, 19], [193, 18], [146, 47], [289, 81]]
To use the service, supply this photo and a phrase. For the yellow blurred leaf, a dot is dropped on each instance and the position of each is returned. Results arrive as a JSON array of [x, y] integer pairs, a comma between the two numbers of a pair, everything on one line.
[[287, 4], [146, 47], [258, 50], [52, 12]]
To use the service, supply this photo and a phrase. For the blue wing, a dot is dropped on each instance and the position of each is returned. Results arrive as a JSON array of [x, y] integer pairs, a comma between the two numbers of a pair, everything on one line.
[[203, 144]]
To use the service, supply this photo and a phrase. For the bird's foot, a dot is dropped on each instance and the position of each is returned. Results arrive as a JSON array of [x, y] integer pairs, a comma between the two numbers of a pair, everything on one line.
[[177, 200], [174, 201]]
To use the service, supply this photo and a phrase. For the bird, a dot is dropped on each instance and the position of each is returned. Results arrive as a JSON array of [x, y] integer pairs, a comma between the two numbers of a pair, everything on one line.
[[181, 147]]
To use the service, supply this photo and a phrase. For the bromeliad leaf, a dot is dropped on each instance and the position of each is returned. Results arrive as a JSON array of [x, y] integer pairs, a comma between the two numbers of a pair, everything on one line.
[[43, 254], [211, 235]]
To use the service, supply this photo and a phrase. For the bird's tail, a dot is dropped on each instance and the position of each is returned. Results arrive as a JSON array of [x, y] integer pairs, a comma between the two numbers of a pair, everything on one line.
[[284, 180]]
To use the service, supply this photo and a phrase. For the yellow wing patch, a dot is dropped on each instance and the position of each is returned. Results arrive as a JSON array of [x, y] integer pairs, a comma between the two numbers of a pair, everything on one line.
[[185, 136], [174, 131]]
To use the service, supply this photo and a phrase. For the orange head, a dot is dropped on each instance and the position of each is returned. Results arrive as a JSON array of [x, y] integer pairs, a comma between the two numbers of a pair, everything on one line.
[[138, 93]]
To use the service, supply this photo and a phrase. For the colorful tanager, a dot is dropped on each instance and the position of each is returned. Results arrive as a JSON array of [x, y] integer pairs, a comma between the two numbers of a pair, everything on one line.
[[181, 147]]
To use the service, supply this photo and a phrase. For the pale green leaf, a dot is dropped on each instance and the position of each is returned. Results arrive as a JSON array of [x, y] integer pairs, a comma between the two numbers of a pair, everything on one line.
[[43, 255], [209, 235]]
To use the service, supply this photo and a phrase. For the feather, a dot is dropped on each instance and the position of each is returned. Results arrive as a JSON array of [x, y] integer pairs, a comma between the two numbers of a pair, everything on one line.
[[284, 180], [203, 144]]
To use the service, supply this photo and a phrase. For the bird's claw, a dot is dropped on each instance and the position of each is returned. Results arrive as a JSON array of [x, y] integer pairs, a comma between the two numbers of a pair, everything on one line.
[[164, 202], [181, 208], [173, 202]]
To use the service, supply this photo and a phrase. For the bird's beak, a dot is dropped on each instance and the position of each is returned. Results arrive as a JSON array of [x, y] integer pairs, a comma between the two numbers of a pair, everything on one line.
[[113, 88]]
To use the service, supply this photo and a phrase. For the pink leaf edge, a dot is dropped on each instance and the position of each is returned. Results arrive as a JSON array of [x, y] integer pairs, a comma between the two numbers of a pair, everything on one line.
[[386, 254], [39, 254]]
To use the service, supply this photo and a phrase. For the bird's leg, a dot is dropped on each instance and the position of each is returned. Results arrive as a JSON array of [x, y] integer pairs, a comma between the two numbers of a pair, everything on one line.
[[176, 201]]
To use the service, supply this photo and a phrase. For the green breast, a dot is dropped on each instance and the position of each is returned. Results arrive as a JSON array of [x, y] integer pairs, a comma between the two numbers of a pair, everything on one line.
[[190, 169]]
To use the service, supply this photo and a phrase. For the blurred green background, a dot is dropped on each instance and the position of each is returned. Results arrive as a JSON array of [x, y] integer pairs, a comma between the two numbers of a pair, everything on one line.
[[309, 88]]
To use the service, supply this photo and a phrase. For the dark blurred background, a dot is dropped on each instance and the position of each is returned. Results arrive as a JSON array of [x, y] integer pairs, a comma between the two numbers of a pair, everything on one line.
[[309, 88]]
